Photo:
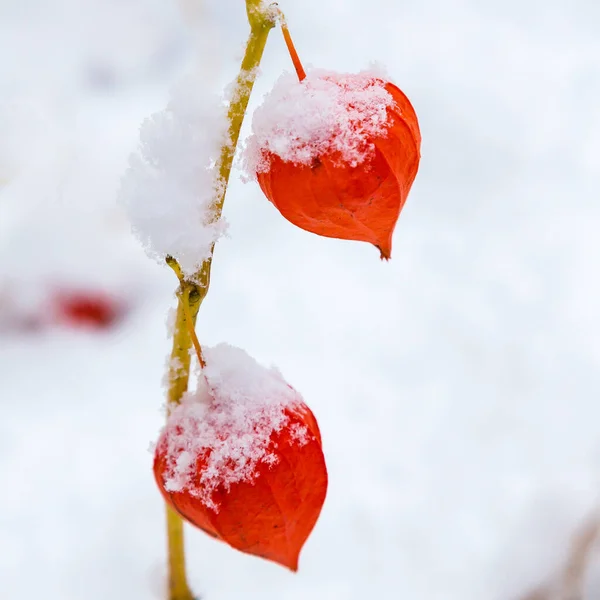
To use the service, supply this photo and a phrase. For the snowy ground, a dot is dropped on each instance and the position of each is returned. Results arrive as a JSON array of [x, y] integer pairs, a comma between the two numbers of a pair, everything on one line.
[[457, 387]]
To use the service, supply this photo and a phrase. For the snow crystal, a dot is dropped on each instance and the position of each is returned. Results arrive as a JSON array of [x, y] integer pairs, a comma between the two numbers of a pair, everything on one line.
[[171, 183], [238, 85], [232, 424], [299, 433], [325, 113], [174, 366], [269, 9], [171, 321]]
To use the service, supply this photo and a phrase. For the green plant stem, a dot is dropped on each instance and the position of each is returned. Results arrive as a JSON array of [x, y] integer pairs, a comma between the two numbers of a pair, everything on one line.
[[261, 23], [178, 585], [179, 370], [192, 292]]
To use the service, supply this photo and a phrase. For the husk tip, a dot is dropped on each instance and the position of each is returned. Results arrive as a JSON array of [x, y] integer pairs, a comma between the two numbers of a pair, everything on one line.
[[385, 252]]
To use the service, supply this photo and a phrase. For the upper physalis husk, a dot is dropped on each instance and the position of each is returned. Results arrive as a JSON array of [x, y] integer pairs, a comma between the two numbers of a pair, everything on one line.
[[336, 154]]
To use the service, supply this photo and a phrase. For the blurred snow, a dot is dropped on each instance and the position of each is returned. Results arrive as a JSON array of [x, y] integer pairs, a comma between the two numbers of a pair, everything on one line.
[[456, 388]]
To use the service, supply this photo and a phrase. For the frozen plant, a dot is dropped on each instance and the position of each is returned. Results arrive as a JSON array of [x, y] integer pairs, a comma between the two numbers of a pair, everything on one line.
[[240, 456]]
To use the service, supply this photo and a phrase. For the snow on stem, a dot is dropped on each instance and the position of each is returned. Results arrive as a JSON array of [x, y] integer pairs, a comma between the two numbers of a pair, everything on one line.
[[262, 19]]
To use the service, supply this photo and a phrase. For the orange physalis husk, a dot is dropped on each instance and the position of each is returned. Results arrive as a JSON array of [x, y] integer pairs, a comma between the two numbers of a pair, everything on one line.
[[334, 198], [335, 195], [271, 515]]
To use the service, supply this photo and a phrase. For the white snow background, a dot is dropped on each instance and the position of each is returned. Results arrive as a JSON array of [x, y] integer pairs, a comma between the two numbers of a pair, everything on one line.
[[457, 387]]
